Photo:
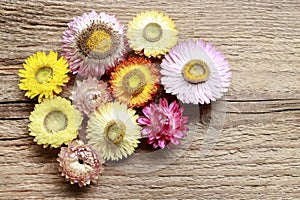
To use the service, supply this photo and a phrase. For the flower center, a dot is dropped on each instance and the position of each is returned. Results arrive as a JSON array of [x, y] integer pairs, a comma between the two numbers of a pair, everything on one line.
[[43, 74], [99, 42], [152, 32], [55, 121], [80, 161], [195, 71], [114, 132], [134, 82]]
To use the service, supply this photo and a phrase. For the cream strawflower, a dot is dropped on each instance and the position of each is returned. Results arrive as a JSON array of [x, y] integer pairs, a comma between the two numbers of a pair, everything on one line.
[[113, 130], [152, 33]]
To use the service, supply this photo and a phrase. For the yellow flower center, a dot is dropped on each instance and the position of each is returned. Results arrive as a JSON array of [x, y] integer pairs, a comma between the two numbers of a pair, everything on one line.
[[134, 82], [195, 71], [43, 74], [114, 131], [99, 41], [55, 121], [152, 32]]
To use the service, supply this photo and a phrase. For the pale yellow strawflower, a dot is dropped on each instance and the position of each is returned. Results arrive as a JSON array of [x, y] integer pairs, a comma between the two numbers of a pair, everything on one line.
[[54, 122]]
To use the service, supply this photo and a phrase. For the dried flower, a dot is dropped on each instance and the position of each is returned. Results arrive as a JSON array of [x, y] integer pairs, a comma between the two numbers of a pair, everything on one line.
[[79, 163], [89, 94], [135, 81], [152, 33], [43, 75], [54, 122], [196, 72], [163, 123], [94, 43], [113, 130]]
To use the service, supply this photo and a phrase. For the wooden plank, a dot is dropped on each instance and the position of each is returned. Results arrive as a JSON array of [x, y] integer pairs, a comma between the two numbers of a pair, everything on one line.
[[240, 164], [255, 157]]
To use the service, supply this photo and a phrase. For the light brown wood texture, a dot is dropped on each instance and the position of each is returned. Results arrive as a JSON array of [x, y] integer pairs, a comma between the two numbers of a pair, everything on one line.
[[257, 155]]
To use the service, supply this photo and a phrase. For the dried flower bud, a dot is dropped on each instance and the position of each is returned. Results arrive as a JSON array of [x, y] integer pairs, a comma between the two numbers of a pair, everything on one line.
[[90, 94], [79, 163]]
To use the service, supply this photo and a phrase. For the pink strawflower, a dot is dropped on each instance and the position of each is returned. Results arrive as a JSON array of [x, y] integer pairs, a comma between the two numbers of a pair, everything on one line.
[[163, 123], [195, 72], [79, 163], [94, 43], [89, 94]]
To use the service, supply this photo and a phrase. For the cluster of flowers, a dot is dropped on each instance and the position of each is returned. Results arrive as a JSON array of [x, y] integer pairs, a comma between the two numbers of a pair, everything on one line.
[[116, 85]]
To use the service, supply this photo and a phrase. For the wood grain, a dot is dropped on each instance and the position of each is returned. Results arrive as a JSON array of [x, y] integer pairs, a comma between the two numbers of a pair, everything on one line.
[[257, 156]]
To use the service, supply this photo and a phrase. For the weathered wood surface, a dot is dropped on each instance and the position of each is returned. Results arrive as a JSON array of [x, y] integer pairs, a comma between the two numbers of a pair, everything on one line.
[[257, 155]]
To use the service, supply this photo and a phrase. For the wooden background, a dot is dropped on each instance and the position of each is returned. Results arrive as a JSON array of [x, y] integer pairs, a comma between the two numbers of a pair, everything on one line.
[[257, 155]]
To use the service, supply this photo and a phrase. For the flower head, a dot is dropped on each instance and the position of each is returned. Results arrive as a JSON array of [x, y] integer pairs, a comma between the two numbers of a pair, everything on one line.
[[163, 123], [113, 130], [54, 122], [152, 32], [43, 75], [79, 163], [89, 94], [196, 72], [94, 43], [135, 81]]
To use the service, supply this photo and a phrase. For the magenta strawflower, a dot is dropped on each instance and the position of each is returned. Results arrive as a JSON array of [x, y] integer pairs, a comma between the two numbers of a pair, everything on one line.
[[94, 43], [79, 163], [163, 123], [195, 72], [89, 94]]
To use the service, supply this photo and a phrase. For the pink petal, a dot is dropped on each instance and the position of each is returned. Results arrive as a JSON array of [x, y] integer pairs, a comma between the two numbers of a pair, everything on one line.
[[174, 107], [146, 110], [163, 102], [151, 137], [175, 141], [146, 131], [162, 143], [143, 121]]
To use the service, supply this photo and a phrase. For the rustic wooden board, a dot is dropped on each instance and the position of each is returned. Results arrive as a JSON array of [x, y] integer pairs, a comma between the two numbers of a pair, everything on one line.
[[257, 156]]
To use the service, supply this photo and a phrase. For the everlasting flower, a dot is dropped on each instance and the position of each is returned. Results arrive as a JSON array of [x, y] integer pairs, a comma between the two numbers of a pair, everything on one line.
[[43, 75], [79, 163], [94, 43], [54, 122], [196, 72], [135, 81], [152, 32], [89, 94], [113, 131], [163, 123]]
